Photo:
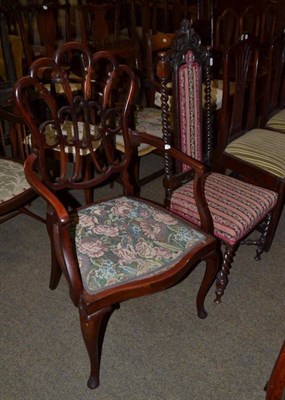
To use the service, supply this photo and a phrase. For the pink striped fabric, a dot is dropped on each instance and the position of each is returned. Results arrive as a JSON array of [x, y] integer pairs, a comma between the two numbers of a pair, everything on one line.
[[236, 207], [190, 103]]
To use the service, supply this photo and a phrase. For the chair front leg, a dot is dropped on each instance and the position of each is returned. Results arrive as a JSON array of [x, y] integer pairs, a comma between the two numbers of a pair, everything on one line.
[[212, 267], [222, 277], [93, 329]]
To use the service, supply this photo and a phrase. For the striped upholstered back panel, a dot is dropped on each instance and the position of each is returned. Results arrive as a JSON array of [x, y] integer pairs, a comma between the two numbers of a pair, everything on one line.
[[190, 107]]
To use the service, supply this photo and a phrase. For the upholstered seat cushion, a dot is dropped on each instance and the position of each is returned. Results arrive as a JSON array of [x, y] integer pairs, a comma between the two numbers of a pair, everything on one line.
[[124, 239], [75, 82], [147, 120], [236, 207], [263, 148], [12, 180], [277, 122], [68, 131]]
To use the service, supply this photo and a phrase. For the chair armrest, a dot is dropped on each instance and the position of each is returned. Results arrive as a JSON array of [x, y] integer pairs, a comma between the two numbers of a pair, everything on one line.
[[199, 169], [43, 191]]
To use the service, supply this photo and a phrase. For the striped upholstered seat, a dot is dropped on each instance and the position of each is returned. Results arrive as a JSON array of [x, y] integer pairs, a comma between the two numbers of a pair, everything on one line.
[[277, 122], [236, 207], [262, 148]]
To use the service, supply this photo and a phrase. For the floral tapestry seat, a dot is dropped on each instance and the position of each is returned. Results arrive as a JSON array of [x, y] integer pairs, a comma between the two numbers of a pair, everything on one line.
[[125, 239]]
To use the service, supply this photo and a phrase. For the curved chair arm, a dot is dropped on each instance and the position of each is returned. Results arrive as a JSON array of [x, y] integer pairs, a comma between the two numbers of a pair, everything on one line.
[[199, 173], [43, 191]]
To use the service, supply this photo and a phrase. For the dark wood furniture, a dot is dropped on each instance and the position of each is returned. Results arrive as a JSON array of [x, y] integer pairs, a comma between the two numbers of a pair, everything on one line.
[[226, 29], [101, 30], [48, 25], [118, 248], [16, 193], [255, 155], [275, 388], [147, 115], [273, 116], [234, 211], [249, 21], [268, 24]]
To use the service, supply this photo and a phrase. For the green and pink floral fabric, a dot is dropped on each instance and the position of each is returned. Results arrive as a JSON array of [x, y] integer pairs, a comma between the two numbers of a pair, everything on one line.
[[123, 239]]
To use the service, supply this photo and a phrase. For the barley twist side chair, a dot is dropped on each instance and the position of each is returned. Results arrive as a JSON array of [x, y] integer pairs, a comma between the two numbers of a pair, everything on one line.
[[116, 248], [236, 207]]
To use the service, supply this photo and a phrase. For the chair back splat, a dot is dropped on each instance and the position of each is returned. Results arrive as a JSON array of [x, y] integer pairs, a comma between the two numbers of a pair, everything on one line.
[[119, 247], [190, 64], [232, 203]]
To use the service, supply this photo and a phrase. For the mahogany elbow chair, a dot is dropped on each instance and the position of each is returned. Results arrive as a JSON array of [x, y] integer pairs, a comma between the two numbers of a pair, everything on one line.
[[119, 248]]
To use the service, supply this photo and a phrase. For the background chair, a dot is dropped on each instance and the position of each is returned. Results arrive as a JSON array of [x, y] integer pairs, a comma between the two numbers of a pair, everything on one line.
[[273, 116], [234, 209], [226, 33], [147, 115], [16, 193], [268, 24], [114, 249], [17, 35], [226, 30], [249, 21], [255, 155], [48, 25], [100, 29]]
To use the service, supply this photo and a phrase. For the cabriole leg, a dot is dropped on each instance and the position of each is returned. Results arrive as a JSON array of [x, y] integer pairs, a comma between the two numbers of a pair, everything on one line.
[[93, 329]]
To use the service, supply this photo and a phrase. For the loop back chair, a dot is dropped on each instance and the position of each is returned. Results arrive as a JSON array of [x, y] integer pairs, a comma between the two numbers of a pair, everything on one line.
[[117, 248], [72, 56], [236, 208]]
